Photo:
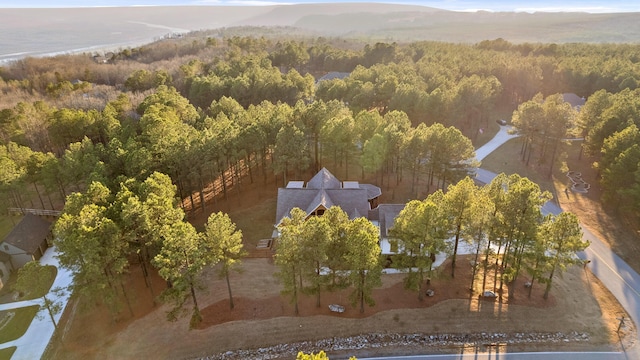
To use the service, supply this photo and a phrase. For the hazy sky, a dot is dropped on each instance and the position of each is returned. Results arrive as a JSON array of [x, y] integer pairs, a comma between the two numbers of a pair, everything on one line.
[[593, 6]]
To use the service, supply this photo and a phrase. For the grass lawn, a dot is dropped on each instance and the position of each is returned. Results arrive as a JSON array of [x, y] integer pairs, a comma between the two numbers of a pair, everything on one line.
[[7, 223], [5, 354], [18, 325], [7, 290], [506, 159], [51, 276]]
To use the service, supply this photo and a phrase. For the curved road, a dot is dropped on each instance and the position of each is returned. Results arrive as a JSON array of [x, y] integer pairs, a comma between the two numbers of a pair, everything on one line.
[[619, 278]]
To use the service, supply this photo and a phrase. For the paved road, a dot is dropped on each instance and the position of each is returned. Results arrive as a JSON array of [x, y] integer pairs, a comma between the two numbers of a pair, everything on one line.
[[35, 340], [510, 356], [621, 280], [501, 137]]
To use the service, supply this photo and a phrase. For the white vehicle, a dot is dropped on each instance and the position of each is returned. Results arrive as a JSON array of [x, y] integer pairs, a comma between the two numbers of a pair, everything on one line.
[[489, 294]]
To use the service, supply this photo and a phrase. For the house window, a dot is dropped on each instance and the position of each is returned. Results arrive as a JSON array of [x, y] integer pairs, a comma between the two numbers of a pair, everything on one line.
[[320, 212], [393, 244]]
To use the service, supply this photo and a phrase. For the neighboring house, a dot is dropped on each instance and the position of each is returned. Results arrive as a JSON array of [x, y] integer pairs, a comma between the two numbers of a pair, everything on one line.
[[324, 190], [27, 241], [5, 268], [333, 75], [576, 101]]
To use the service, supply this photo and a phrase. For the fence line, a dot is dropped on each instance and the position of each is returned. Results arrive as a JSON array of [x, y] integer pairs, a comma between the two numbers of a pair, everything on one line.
[[39, 212]]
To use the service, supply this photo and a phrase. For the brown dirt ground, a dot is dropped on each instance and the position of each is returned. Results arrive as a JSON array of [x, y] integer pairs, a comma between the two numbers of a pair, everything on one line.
[[619, 232], [262, 317]]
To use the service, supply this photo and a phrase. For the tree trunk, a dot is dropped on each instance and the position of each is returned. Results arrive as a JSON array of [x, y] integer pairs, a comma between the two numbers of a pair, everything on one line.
[[486, 266], [495, 271], [193, 205], [420, 282], [362, 280], [202, 197], [553, 157], [224, 180], [237, 175], [126, 298], [295, 291], [47, 303], [475, 266], [248, 162], [548, 287], [264, 164], [533, 278], [50, 201], [145, 272], [455, 251], [553, 269], [193, 296], [226, 275], [62, 190], [318, 286], [38, 192]]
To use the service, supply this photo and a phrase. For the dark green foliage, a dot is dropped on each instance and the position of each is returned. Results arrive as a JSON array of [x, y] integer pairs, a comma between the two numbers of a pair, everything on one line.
[[225, 112]]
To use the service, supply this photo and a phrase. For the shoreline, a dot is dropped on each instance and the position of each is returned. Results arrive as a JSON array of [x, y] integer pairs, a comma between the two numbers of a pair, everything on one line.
[[92, 49]]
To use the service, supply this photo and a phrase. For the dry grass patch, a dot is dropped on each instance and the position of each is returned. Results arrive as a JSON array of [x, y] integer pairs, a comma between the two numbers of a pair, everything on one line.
[[622, 236]]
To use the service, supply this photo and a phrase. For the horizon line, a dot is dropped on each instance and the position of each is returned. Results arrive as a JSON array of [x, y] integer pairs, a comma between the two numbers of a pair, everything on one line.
[[260, 3]]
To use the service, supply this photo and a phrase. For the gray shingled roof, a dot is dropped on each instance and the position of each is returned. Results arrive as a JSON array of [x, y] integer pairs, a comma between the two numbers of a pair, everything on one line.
[[333, 75], [573, 99], [324, 189], [324, 180], [386, 215], [30, 233], [372, 190]]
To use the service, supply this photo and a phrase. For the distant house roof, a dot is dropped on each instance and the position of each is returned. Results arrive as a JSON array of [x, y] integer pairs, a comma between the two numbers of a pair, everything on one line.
[[323, 191], [29, 234], [573, 99], [334, 75]]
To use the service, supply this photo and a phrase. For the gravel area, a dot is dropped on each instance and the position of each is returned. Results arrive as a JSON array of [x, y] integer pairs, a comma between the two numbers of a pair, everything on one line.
[[378, 340]]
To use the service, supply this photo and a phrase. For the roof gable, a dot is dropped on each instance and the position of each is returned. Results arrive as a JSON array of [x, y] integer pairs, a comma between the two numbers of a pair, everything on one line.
[[29, 234], [333, 75], [324, 180], [322, 199], [573, 99], [324, 190]]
